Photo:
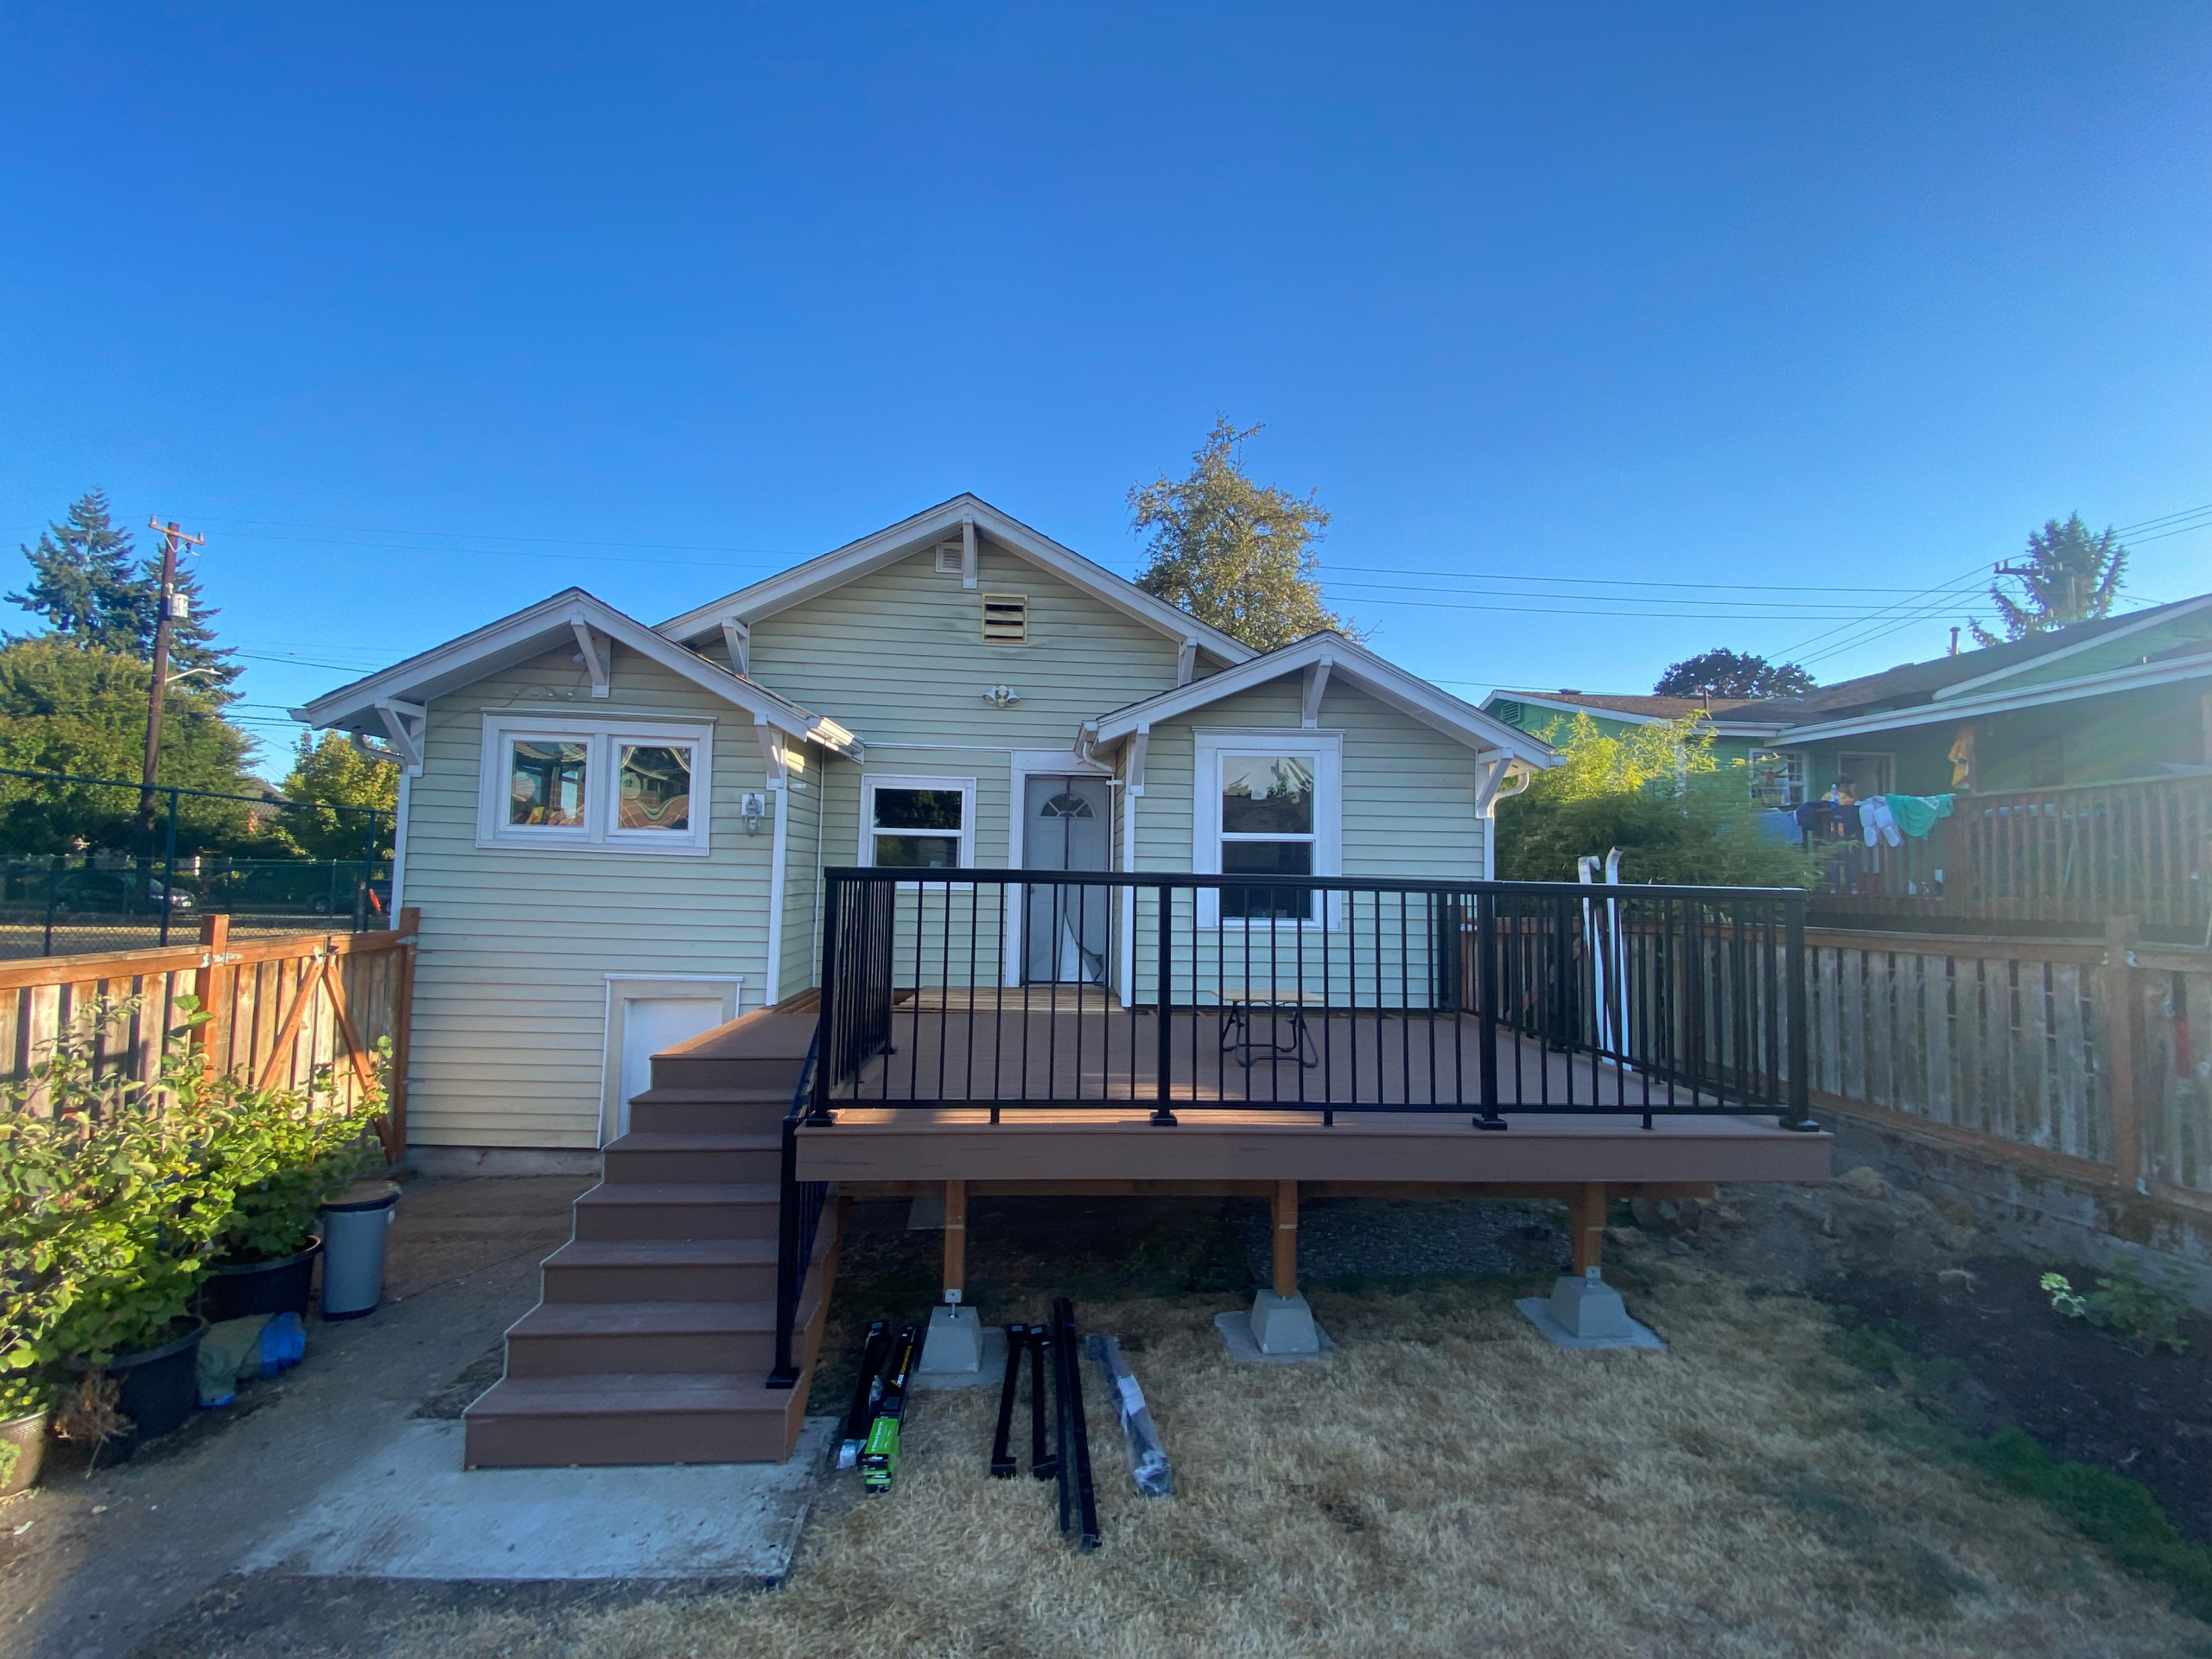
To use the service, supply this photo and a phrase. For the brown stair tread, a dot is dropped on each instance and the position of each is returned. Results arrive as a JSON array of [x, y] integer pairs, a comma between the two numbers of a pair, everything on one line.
[[689, 1141], [663, 1252], [682, 1193], [713, 1095], [618, 1394], [645, 1319]]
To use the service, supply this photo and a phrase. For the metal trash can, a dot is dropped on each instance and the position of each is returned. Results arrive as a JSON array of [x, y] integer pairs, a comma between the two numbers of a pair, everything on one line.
[[355, 1224]]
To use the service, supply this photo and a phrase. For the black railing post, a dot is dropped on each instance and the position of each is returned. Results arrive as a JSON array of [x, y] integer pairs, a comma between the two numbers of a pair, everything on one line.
[[826, 1036], [1486, 990], [1799, 1085], [1164, 973], [789, 1267]]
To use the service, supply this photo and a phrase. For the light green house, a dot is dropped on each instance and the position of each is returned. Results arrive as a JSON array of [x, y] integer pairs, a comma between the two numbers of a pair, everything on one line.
[[615, 834]]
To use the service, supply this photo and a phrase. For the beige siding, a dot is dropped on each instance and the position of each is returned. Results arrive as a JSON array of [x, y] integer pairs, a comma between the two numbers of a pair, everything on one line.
[[802, 864], [511, 1000], [1408, 811]]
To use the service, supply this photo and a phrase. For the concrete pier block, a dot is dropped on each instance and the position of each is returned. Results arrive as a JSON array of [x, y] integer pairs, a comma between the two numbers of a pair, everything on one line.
[[1587, 1312], [1283, 1324], [955, 1343]]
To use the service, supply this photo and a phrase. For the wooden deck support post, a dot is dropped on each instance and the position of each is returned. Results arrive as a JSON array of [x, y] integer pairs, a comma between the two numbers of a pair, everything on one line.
[[2123, 1050], [1285, 1205], [1586, 1223], [956, 1240]]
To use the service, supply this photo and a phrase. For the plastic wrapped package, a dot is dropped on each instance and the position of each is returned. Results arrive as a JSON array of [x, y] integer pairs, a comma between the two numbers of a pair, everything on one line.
[[1148, 1463]]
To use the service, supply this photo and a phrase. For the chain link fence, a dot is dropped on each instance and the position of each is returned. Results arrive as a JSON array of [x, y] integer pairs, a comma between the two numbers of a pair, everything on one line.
[[91, 864]]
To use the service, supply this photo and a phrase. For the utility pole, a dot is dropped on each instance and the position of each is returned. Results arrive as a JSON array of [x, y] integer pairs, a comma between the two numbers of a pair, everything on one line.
[[170, 607]]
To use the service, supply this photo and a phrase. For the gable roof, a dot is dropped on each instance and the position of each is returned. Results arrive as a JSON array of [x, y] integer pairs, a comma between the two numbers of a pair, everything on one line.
[[361, 707], [1381, 679], [1727, 713], [910, 536]]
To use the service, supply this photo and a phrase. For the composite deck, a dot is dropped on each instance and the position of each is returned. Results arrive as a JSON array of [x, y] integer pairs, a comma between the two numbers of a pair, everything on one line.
[[1073, 1080]]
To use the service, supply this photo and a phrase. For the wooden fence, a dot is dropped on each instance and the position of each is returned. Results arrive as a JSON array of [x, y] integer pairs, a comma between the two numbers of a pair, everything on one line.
[[2063, 857], [284, 1008], [2092, 1060]]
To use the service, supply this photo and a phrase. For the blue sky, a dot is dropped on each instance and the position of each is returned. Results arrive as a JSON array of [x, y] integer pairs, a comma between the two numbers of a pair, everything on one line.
[[420, 315]]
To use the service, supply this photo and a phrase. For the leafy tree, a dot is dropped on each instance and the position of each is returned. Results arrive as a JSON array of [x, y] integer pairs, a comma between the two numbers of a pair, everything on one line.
[[331, 774], [1232, 553], [1724, 673], [81, 709], [84, 581], [1657, 793], [2071, 576]]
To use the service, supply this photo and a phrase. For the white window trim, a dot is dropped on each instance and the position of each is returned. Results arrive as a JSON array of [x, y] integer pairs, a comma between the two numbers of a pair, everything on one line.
[[870, 782], [1209, 745], [599, 739]]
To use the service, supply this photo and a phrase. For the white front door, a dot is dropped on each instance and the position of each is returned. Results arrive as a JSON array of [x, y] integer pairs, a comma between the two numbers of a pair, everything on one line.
[[651, 1024]]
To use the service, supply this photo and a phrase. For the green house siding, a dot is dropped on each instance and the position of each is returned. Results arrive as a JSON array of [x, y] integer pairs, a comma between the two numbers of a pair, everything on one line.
[[898, 656], [510, 1021]]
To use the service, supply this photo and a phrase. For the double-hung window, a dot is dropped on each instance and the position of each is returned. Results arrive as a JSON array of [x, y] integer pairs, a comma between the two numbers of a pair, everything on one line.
[[1267, 805], [917, 823], [593, 786]]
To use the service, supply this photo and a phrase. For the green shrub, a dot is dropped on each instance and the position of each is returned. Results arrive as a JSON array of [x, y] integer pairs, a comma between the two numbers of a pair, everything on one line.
[[2119, 1514], [113, 1199], [2125, 1306]]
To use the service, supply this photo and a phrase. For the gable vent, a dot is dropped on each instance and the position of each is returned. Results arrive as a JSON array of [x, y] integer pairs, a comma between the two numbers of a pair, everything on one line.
[[948, 557], [1006, 619], [1509, 710]]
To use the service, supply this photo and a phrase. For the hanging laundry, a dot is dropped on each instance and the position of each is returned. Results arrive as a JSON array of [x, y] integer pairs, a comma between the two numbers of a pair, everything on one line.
[[1875, 818], [1916, 815]]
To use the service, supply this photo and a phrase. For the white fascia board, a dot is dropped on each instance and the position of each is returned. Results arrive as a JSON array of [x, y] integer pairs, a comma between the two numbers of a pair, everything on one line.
[[1382, 680], [2149, 618], [832, 570], [2142, 677], [546, 626]]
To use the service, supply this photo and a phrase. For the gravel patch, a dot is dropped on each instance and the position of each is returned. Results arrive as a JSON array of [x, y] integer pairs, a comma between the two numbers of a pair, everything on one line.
[[1392, 1238]]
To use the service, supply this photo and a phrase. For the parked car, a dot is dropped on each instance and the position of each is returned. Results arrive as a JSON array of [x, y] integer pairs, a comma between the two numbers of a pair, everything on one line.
[[108, 892]]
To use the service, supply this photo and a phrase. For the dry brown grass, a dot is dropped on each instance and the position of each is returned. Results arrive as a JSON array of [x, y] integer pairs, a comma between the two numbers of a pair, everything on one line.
[[1448, 1484]]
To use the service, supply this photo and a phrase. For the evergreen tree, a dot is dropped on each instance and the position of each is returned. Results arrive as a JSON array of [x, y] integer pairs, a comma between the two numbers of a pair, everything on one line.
[[84, 581], [1234, 555], [2071, 576], [1731, 674]]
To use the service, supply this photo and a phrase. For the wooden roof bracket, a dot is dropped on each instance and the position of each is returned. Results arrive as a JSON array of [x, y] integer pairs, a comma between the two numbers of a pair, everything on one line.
[[1316, 682], [737, 634], [967, 563], [598, 654], [1133, 761], [1186, 660], [772, 754], [403, 724]]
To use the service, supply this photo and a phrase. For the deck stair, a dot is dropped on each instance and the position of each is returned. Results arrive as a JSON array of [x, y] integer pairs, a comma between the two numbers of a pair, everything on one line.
[[657, 1329]]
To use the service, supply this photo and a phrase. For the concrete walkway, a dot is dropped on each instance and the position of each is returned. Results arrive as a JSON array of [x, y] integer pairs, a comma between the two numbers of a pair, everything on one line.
[[91, 1565]]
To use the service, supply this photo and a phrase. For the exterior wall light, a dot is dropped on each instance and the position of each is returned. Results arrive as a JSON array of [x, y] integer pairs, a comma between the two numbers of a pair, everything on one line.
[[1002, 696], [752, 807]]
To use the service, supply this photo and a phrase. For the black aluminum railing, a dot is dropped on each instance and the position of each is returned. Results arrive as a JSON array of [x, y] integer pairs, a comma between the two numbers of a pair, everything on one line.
[[1008, 988], [800, 1219]]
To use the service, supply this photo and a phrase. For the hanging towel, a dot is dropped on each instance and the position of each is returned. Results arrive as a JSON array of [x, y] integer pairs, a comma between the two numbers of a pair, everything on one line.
[[1874, 818], [1916, 814]]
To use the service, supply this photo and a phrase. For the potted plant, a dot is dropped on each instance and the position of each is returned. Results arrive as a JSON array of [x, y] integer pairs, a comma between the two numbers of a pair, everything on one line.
[[26, 1404], [280, 1151], [109, 1202]]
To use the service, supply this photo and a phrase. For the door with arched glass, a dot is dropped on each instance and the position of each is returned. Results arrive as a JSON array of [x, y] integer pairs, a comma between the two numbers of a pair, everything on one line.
[[1066, 929]]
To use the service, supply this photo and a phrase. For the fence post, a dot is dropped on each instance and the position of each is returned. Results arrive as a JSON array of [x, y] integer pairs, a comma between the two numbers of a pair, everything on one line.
[[206, 987], [2123, 1046], [409, 923]]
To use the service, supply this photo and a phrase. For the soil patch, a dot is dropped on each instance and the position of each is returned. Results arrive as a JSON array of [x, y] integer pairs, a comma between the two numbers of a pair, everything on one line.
[[2004, 1358]]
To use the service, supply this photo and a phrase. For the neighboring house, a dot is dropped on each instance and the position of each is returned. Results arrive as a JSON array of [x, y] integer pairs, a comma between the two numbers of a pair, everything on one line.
[[2126, 701], [1552, 714], [616, 833]]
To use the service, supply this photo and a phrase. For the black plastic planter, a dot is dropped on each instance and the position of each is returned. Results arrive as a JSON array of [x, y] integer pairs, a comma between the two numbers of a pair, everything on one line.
[[156, 1386], [240, 1290]]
